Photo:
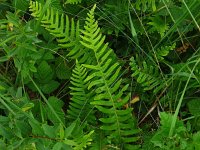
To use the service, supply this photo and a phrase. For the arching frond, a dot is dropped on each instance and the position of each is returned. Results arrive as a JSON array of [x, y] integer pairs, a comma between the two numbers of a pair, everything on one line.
[[65, 30], [104, 79]]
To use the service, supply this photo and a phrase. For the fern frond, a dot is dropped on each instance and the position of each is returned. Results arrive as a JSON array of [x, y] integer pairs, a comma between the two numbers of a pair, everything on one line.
[[164, 51], [158, 24], [79, 106], [144, 4], [104, 79], [147, 76], [65, 30], [84, 141], [73, 1]]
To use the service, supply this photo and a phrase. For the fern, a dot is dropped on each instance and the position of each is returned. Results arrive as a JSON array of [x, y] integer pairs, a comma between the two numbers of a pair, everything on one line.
[[73, 1], [79, 106], [84, 141], [67, 32], [104, 79], [147, 76], [164, 51], [144, 4], [158, 24]]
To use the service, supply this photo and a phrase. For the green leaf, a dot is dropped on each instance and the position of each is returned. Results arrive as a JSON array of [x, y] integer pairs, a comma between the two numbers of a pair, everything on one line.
[[44, 72], [69, 130], [194, 106], [50, 131], [63, 71], [196, 140], [50, 86], [36, 127], [21, 5], [158, 24], [57, 105], [61, 146]]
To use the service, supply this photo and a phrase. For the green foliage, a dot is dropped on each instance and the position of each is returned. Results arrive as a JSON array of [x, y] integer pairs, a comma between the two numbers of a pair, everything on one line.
[[73, 1], [180, 140], [193, 106], [146, 75], [109, 99], [17, 46], [163, 132], [80, 107], [158, 24], [65, 30], [164, 51], [44, 78], [65, 74], [144, 4]]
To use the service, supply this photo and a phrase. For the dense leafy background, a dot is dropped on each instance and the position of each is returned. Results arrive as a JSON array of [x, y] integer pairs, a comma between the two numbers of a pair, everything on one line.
[[94, 74]]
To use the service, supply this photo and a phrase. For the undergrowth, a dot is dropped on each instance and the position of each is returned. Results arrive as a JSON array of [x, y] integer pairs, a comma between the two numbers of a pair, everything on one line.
[[99, 75]]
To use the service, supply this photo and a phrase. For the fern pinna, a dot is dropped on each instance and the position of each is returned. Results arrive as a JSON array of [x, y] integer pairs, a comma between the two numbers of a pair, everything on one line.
[[73, 1], [148, 76], [117, 123], [80, 107], [65, 30]]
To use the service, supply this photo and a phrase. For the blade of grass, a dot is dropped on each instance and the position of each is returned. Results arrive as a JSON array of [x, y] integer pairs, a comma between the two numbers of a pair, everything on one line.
[[46, 101], [2, 101], [188, 9], [176, 23], [133, 31], [180, 101]]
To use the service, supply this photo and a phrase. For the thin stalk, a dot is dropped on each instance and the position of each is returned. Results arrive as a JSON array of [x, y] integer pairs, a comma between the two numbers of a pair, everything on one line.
[[180, 101], [46, 101], [191, 15], [2, 101]]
